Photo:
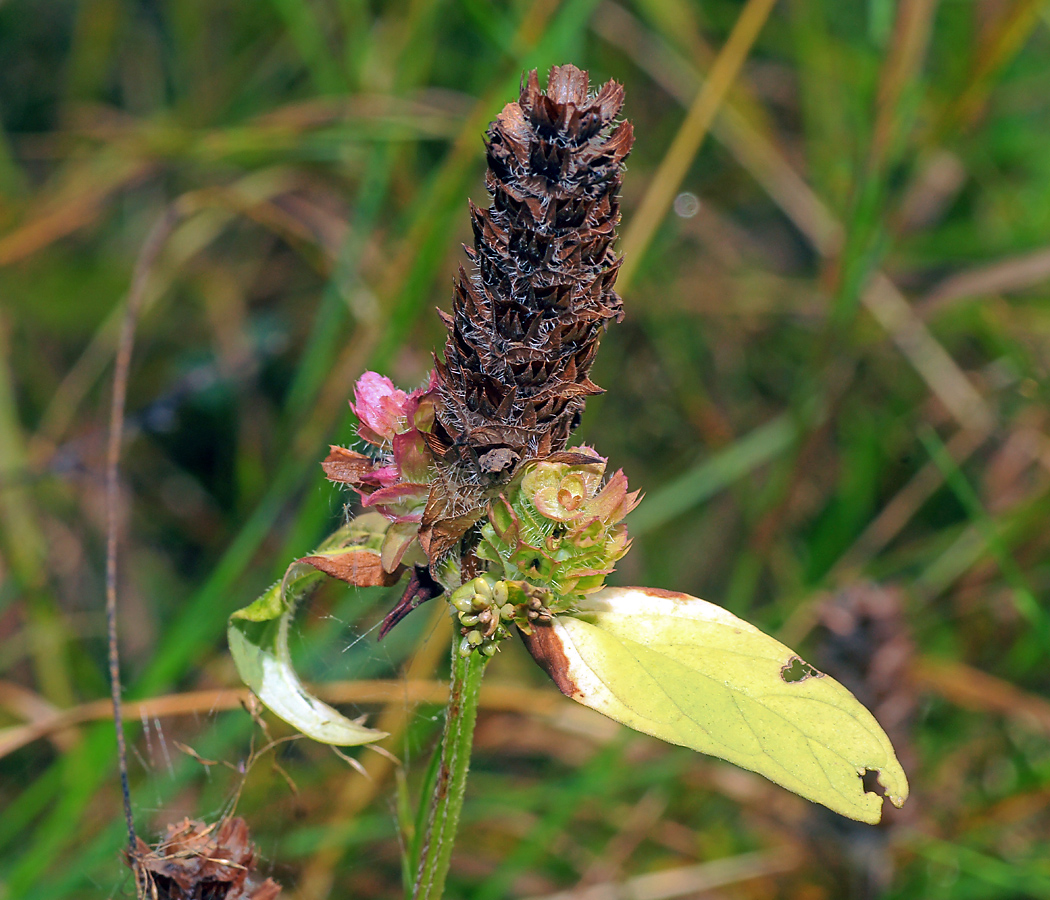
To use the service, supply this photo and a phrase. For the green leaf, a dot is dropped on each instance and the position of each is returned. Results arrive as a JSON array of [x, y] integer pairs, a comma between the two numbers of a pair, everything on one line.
[[258, 637], [691, 673]]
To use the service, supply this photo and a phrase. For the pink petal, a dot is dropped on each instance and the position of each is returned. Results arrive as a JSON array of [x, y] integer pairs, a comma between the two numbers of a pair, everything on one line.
[[379, 406], [429, 387]]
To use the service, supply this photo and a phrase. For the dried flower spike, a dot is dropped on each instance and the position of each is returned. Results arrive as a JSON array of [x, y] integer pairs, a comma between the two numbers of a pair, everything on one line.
[[525, 327], [196, 861]]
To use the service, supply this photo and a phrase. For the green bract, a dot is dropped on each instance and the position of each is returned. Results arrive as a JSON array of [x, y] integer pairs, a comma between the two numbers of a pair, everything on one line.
[[691, 673]]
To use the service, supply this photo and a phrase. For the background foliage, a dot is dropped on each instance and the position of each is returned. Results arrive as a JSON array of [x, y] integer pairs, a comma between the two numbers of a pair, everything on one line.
[[831, 382]]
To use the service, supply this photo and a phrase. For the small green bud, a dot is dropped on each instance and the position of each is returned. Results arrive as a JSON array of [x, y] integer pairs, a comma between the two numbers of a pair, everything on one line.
[[463, 592], [481, 586], [480, 602], [474, 638], [463, 604], [500, 593], [506, 611], [468, 620], [488, 649], [465, 647]]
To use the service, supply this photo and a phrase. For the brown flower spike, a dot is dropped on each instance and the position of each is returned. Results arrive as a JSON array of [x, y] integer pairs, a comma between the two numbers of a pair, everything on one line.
[[525, 325]]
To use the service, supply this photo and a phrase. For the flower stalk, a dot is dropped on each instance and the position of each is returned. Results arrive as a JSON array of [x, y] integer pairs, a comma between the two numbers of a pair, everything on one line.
[[446, 802]]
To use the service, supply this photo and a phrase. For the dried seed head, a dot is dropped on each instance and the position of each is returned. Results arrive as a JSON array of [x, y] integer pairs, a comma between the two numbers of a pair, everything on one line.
[[525, 325], [197, 860]]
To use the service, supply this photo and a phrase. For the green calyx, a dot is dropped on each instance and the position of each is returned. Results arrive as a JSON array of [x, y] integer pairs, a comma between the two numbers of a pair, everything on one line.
[[558, 528], [550, 539]]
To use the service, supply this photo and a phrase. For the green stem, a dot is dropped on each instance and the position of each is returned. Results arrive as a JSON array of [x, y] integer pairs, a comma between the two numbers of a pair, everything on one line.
[[450, 785]]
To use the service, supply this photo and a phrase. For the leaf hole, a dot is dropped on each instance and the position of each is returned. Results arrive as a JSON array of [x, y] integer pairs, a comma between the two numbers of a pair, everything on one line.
[[872, 785], [797, 669]]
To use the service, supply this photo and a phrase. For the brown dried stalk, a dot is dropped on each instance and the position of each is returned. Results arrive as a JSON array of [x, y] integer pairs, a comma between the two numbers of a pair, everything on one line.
[[522, 336]]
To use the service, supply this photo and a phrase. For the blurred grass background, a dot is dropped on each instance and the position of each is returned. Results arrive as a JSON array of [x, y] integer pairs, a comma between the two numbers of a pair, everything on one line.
[[831, 383]]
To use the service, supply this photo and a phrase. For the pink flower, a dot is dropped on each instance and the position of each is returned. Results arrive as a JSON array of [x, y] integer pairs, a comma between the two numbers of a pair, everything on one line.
[[384, 411], [380, 407]]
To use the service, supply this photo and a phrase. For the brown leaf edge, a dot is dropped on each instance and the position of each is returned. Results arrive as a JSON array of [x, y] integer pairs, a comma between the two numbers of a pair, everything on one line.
[[546, 648]]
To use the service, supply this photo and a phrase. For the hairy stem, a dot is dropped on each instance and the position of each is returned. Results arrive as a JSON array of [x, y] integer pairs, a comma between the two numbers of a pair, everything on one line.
[[450, 784]]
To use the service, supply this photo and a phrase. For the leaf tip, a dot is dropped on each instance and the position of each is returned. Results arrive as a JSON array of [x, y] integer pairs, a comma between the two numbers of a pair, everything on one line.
[[894, 784], [880, 783]]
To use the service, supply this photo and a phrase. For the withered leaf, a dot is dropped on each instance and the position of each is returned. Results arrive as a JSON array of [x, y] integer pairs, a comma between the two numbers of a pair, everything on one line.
[[346, 466], [361, 568], [421, 587], [450, 512]]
